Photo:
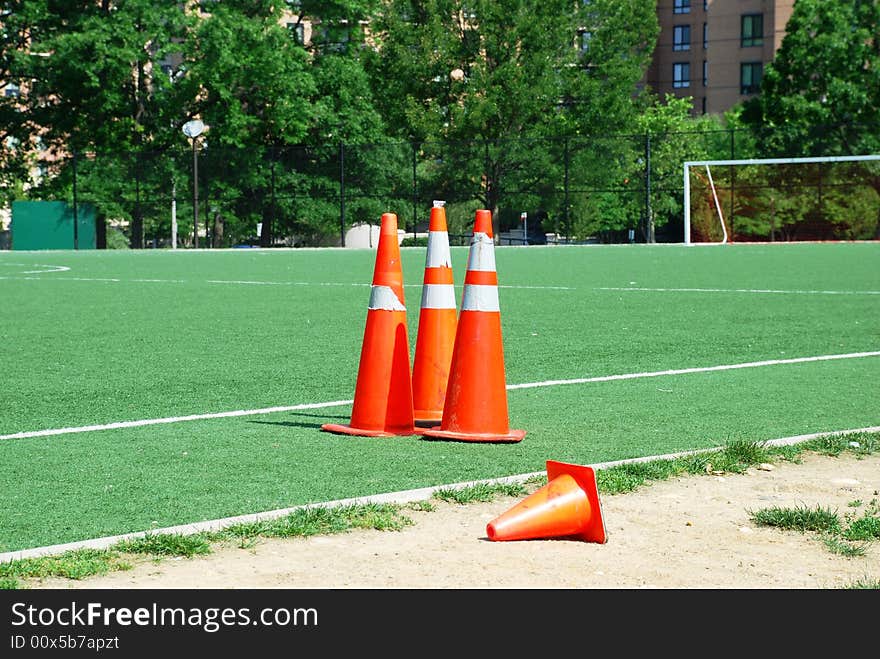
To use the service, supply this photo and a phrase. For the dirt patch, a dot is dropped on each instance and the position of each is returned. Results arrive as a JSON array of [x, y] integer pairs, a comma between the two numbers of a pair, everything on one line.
[[691, 532]]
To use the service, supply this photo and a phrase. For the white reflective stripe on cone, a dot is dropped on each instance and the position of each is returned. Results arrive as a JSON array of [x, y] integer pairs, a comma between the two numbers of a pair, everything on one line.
[[482, 254], [438, 250], [438, 296], [384, 298], [478, 297]]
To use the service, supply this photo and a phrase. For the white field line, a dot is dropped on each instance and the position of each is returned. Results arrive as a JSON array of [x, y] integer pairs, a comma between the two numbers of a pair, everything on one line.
[[174, 419], [403, 497], [527, 385], [244, 282], [733, 290], [699, 369], [52, 268]]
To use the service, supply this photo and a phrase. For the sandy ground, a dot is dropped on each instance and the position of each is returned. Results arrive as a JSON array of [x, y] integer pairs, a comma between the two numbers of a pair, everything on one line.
[[692, 532]]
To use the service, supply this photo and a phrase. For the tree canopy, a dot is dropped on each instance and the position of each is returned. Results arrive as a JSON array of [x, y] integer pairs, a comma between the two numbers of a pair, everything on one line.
[[821, 94]]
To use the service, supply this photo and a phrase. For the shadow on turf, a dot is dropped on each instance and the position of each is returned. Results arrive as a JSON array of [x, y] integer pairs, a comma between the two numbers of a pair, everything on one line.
[[303, 424]]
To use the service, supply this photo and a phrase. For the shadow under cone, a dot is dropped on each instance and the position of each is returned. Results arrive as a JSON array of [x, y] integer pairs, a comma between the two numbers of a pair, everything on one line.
[[567, 506], [383, 403]]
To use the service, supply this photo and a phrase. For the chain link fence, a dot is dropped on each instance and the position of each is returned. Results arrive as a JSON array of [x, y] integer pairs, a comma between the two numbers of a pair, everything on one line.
[[616, 188]]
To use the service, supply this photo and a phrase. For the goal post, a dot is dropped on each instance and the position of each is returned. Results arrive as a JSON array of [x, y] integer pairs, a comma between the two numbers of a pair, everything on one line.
[[778, 199]]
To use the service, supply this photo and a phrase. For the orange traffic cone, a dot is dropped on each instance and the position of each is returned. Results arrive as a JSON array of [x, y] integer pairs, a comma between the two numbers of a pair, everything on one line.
[[437, 324], [568, 505], [475, 407], [383, 403]]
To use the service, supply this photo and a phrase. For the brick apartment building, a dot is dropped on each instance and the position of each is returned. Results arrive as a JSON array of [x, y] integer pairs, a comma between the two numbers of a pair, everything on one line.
[[715, 50]]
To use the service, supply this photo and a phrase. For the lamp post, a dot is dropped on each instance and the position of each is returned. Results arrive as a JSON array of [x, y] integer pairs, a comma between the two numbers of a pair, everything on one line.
[[192, 129]]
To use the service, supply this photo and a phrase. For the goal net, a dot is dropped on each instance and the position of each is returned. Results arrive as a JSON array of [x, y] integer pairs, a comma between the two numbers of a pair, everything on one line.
[[782, 199]]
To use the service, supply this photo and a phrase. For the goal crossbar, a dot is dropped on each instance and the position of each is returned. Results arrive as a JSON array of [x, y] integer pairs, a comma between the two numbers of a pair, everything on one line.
[[751, 161]]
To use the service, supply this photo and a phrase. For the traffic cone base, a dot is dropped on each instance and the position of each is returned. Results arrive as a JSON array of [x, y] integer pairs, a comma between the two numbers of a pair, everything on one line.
[[437, 432], [567, 506], [360, 432]]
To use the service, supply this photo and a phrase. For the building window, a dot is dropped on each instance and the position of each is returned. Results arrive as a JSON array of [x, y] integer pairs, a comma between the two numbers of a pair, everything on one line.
[[681, 37], [335, 39], [750, 77], [705, 36], [681, 7], [752, 30], [704, 105], [705, 73], [681, 74], [584, 39], [297, 31]]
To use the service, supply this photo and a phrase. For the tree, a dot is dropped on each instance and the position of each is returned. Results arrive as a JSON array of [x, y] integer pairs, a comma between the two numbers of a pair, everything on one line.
[[277, 113], [16, 132], [487, 87], [821, 94], [91, 82]]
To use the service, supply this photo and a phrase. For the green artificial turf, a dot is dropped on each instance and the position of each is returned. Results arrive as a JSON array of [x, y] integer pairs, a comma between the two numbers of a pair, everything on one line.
[[125, 336]]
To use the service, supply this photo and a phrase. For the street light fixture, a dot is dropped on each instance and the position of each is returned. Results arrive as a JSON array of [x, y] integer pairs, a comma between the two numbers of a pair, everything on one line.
[[192, 129]]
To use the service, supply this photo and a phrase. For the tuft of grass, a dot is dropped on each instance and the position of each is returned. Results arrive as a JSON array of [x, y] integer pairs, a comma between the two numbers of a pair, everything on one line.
[[322, 520], [735, 457], [627, 477], [697, 463], [843, 548], [479, 492], [76, 564], [422, 506], [864, 528], [790, 453], [800, 518], [8, 583], [167, 544], [738, 455], [849, 538], [865, 584], [859, 444]]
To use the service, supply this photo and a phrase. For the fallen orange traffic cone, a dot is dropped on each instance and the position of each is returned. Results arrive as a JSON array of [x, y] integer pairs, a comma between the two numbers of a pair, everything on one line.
[[475, 407], [568, 505], [383, 403], [437, 324]]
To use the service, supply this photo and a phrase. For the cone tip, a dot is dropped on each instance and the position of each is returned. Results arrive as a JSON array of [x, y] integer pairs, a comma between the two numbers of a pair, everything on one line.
[[483, 222], [389, 223], [438, 218]]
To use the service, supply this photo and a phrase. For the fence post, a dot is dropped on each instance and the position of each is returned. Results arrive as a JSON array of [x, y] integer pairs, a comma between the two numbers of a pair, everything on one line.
[[730, 215], [209, 233], [274, 207], [649, 220], [567, 213], [195, 195], [138, 213], [75, 212], [415, 188], [342, 193]]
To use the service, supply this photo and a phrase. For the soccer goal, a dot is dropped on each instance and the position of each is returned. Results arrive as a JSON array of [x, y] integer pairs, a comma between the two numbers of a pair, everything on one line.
[[782, 199]]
